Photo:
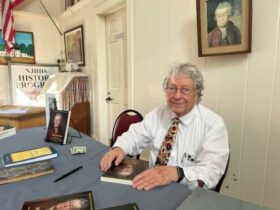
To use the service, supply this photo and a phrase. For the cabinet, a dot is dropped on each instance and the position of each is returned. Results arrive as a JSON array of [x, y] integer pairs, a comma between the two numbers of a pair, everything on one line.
[[34, 116]]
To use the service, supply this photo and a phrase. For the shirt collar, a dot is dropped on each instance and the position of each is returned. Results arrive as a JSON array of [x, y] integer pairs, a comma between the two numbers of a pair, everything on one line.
[[187, 118]]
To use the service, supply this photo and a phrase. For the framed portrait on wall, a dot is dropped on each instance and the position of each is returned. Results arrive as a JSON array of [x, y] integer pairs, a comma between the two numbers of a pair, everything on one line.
[[224, 27], [74, 45], [23, 51]]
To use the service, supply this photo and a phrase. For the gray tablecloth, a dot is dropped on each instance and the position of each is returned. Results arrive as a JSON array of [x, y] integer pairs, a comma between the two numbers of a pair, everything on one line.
[[202, 199], [13, 195]]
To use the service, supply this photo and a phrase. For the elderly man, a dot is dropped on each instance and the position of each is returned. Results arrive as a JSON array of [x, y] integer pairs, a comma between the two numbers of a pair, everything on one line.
[[188, 142]]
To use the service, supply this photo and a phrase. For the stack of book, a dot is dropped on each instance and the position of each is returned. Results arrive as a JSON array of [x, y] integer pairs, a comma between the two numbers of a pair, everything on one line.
[[27, 164], [6, 131]]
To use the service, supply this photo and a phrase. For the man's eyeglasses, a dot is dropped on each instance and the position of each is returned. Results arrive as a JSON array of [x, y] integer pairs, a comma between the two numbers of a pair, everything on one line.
[[183, 91]]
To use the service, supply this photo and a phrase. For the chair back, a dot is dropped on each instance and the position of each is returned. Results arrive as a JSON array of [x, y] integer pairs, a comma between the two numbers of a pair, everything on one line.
[[219, 185], [123, 121]]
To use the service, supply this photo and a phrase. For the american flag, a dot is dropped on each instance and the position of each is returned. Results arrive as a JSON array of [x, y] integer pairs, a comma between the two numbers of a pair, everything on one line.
[[8, 30]]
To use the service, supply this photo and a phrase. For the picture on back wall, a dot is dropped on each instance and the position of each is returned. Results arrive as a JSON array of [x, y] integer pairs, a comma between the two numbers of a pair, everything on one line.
[[23, 51], [224, 27]]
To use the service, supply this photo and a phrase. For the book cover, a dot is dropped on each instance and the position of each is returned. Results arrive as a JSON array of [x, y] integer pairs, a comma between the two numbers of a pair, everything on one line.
[[125, 171], [57, 131], [6, 131], [129, 206], [28, 156], [27, 171], [77, 201]]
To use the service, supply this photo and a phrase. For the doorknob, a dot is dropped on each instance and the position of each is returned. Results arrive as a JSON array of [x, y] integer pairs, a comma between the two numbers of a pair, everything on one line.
[[109, 99]]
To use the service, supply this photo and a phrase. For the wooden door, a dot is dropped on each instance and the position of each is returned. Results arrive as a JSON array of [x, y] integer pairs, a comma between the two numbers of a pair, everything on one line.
[[116, 44]]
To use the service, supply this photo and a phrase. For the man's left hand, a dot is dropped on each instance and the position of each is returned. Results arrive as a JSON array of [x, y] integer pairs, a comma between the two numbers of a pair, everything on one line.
[[154, 177]]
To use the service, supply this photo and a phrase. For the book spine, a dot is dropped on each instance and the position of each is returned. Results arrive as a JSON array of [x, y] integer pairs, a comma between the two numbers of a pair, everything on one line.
[[67, 127]]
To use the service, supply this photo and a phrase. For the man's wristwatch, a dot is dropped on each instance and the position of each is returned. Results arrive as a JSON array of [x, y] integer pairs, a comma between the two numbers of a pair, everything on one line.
[[181, 174]]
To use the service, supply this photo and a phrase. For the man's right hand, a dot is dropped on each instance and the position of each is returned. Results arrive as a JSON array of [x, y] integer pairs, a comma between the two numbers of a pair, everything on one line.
[[115, 154]]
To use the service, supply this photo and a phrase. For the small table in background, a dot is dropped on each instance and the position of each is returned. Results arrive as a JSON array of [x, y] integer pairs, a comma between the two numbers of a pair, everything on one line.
[[16, 116]]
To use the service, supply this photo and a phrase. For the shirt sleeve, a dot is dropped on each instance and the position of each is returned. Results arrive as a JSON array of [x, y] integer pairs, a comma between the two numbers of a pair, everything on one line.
[[212, 158], [138, 136]]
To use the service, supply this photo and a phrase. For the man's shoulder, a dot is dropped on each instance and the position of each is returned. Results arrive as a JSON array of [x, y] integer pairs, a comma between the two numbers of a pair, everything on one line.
[[208, 116], [161, 109], [159, 112]]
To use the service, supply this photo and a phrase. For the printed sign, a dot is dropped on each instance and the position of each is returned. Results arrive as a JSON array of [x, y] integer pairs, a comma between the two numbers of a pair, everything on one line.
[[28, 81]]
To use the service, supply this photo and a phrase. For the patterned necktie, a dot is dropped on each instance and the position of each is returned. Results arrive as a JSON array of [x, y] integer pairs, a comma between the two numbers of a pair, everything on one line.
[[167, 144]]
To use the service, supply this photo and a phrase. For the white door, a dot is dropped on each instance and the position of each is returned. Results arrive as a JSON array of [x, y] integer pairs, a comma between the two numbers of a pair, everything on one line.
[[116, 65]]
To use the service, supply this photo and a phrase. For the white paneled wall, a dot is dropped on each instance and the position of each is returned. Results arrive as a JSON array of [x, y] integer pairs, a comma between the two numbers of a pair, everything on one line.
[[244, 89]]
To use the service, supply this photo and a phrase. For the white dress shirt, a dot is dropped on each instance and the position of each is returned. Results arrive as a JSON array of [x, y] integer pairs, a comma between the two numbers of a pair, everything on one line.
[[201, 146]]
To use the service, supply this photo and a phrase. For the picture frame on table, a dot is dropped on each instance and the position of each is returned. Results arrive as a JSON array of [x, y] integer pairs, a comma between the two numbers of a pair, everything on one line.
[[224, 27], [74, 45], [23, 51]]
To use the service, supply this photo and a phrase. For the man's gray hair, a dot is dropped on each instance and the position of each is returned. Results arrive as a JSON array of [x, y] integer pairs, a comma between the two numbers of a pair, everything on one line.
[[190, 71], [225, 4]]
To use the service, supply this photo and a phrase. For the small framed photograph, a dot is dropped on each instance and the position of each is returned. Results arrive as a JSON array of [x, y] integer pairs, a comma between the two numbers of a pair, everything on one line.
[[224, 27], [69, 3], [74, 45], [23, 51]]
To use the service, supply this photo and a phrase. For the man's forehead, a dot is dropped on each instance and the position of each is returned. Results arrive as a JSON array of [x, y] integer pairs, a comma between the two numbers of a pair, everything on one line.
[[180, 78]]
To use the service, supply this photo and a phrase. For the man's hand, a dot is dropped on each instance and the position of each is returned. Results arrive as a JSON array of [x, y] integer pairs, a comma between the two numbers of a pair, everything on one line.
[[154, 177], [116, 154]]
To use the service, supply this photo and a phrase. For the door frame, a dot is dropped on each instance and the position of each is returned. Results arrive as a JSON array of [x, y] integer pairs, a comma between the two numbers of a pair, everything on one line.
[[101, 114]]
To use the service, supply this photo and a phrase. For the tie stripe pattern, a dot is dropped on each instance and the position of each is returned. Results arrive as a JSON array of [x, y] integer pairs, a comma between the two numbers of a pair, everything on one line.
[[167, 144]]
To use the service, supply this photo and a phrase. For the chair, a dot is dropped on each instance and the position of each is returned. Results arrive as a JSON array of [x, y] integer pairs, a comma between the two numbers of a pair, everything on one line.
[[219, 185], [122, 123]]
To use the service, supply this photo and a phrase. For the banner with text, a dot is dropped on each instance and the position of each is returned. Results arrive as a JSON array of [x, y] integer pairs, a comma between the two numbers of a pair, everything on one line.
[[28, 81]]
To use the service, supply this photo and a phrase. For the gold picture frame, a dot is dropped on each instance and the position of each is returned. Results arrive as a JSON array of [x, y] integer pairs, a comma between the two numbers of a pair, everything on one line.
[[224, 27], [23, 51], [74, 45]]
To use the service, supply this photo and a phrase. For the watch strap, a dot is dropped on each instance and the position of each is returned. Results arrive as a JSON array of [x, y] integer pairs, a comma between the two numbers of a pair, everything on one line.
[[181, 174]]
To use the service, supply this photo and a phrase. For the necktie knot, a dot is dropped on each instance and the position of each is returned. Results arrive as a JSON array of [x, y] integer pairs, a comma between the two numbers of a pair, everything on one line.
[[176, 120], [174, 126]]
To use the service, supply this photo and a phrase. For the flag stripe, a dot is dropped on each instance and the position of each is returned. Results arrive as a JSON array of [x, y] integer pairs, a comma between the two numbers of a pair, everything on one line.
[[8, 30]]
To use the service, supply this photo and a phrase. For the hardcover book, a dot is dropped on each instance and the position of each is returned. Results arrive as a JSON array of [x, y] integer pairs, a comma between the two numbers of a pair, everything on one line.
[[27, 171], [129, 206], [29, 156], [6, 131], [58, 126], [125, 172], [78, 201]]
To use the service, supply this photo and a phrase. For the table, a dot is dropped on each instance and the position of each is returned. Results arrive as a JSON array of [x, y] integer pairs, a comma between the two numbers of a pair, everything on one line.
[[35, 116], [202, 199], [13, 195]]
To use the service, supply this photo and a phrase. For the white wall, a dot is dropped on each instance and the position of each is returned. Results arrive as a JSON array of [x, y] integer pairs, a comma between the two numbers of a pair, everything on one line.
[[244, 89]]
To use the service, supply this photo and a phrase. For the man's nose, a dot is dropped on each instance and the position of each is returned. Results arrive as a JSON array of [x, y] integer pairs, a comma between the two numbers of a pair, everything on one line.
[[178, 94]]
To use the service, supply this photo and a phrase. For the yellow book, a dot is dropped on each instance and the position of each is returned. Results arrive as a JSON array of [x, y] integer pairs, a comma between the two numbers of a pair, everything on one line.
[[29, 156]]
